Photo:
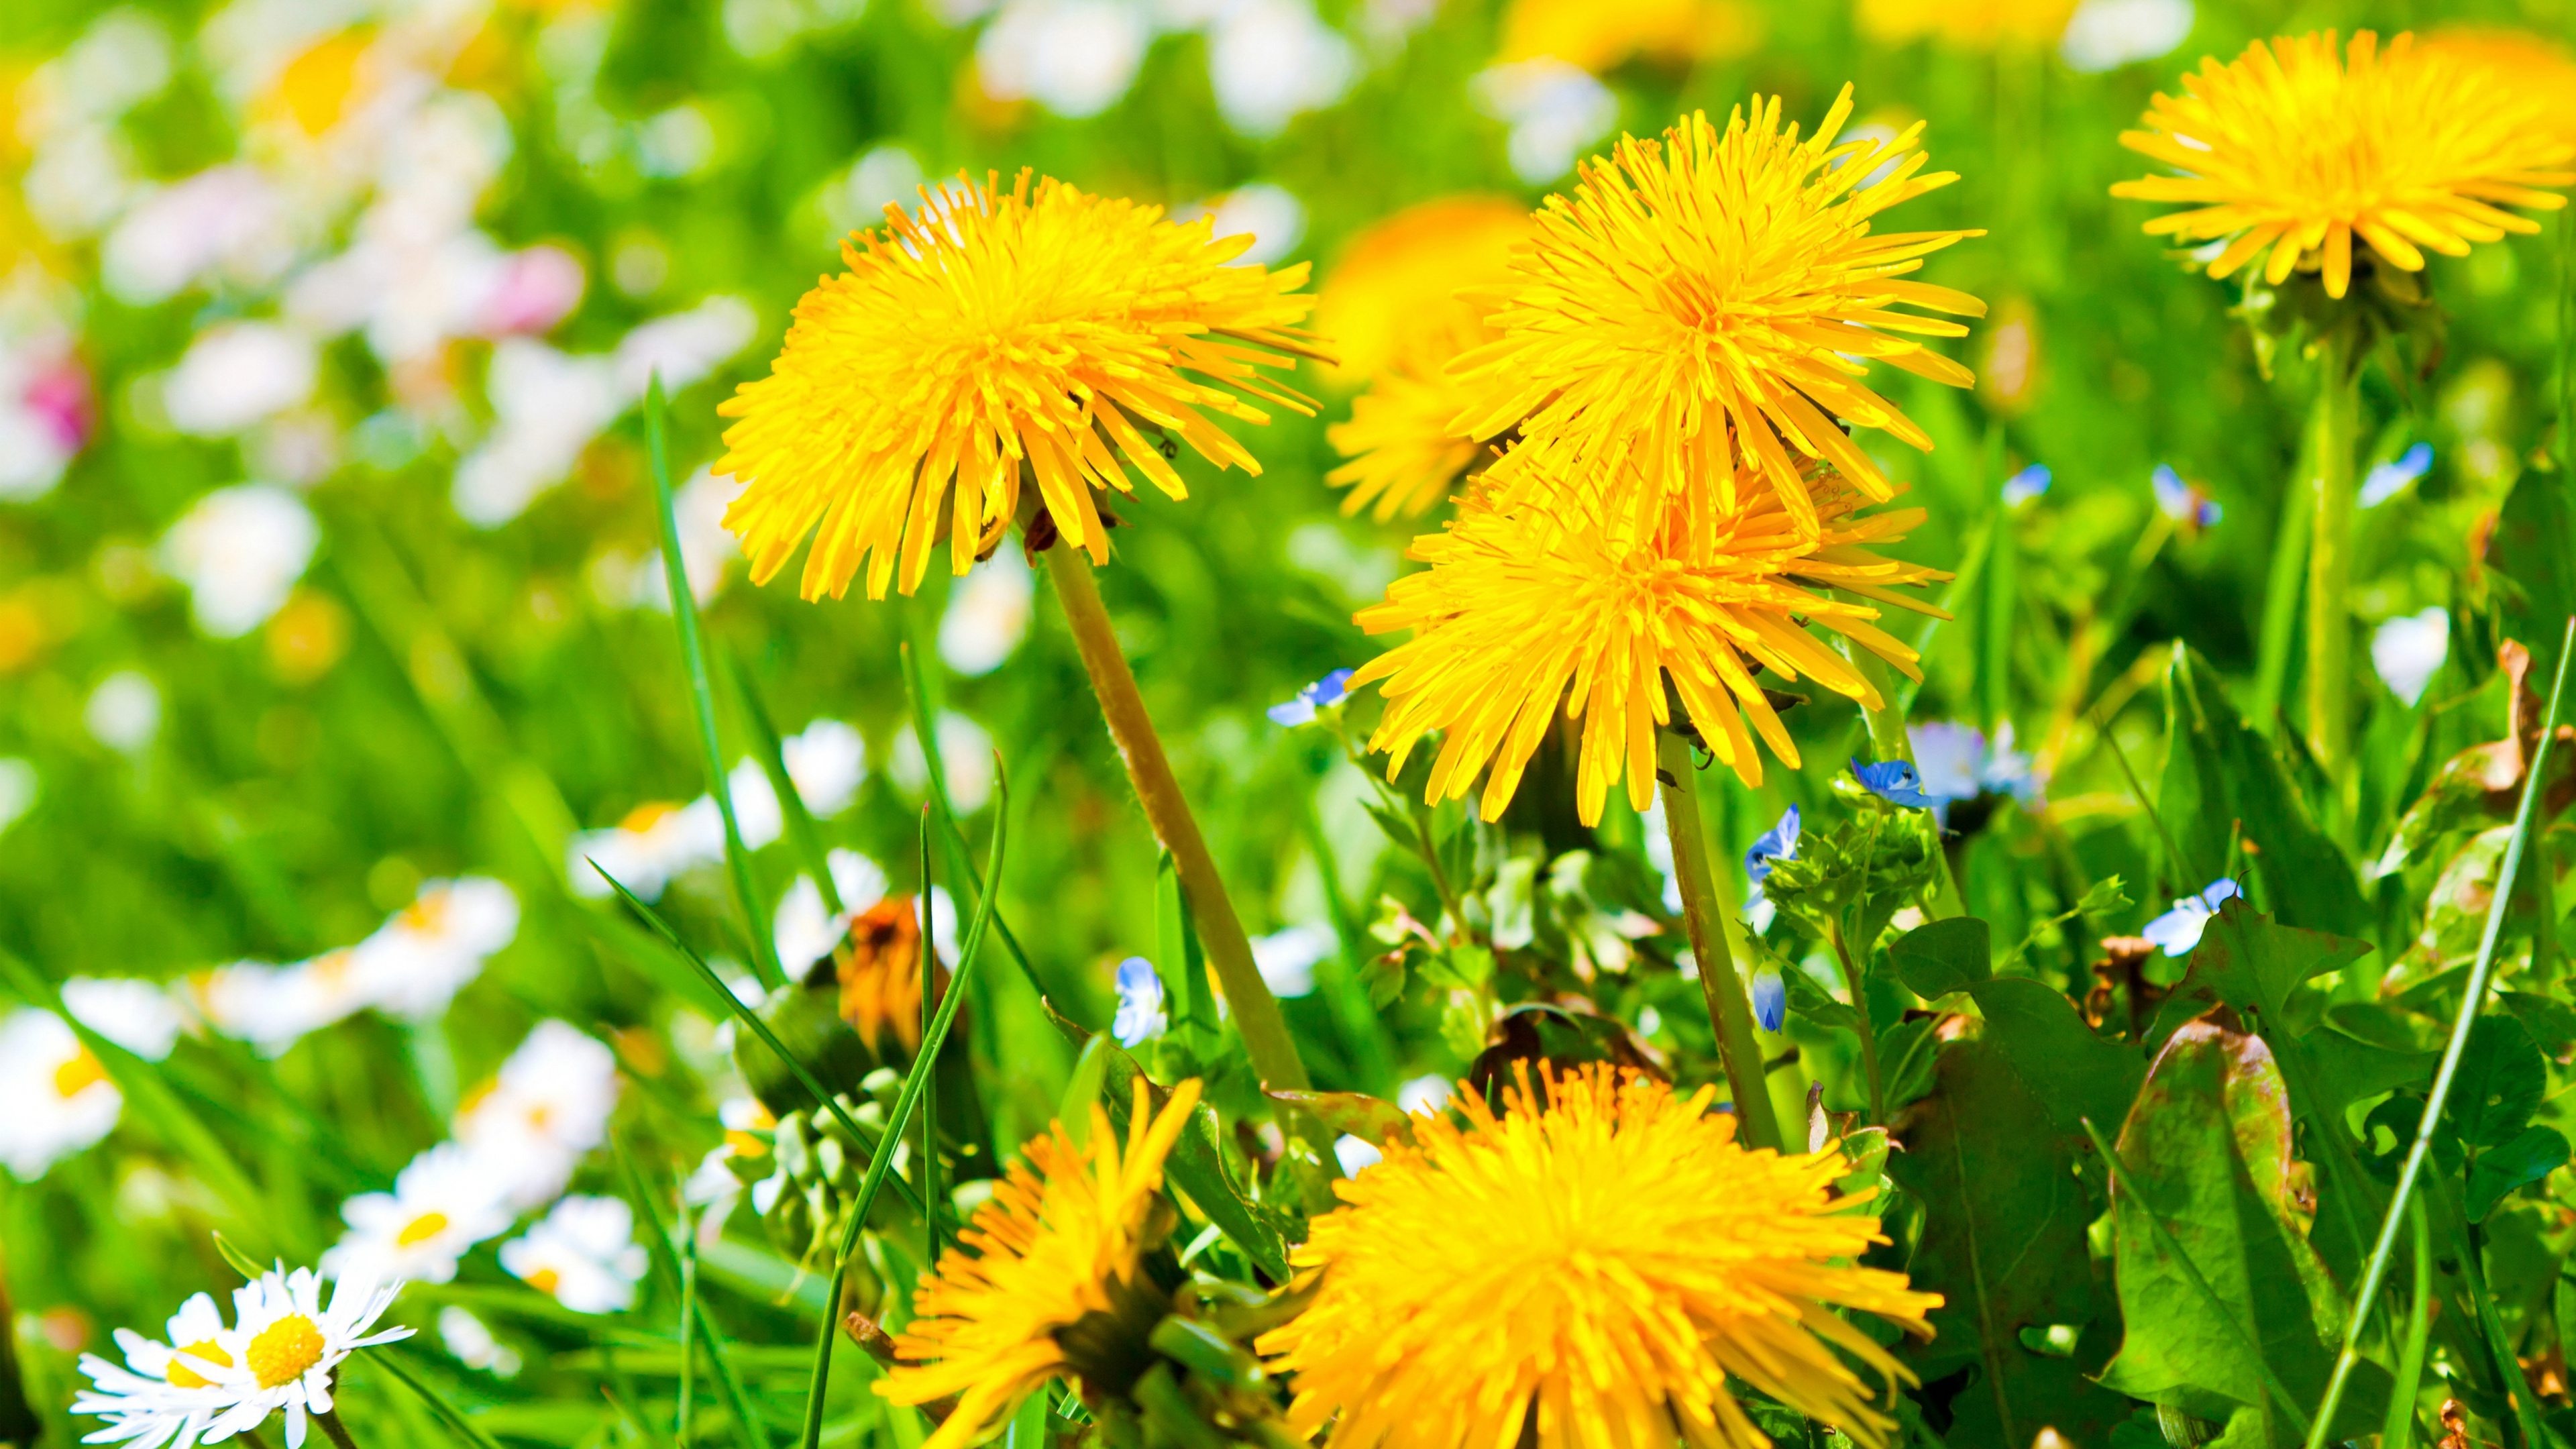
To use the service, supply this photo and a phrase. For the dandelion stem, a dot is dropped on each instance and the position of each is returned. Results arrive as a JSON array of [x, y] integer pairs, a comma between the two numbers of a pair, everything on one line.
[[2332, 424], [1730, 1011], [1256, 1010]]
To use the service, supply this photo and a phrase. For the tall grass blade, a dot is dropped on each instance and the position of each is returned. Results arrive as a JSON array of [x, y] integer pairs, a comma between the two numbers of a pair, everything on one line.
[[2471, 1001], [2398, 1431], [391, 1361], [930, 1054], [693, 651], [952, 839], [915, 1083], [773, 762], [746, 1418], [750, 1019]]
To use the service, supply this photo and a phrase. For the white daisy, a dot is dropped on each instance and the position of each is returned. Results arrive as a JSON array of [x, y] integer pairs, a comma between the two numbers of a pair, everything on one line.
[[584, 1253], [288, 1343], [274, 1007], [139, 1016], [548, 1105], [644, 851], [55, 1097], [417, 962], [442, 1204], [157, 1399]]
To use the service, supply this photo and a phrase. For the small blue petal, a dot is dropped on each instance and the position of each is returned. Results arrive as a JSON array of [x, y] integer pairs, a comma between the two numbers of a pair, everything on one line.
[[1140, 1003], [1894, 781], [1321, 695], [1770, 999], [2026, 485], [1780, 842], [2387, 479]]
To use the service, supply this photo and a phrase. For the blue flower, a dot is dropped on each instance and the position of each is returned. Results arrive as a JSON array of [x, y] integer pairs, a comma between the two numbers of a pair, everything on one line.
[[1770, 999], [1140, 1003], [2178, 930], [2026, 485], [1893, 781], [2182, 502], [2388, 479], [1323, 694], [1780, 842]]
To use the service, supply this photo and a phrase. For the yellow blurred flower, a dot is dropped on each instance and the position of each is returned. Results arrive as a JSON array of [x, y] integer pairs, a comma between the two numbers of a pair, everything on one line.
[[2292, 149], [316, 88], [878, 963], [1562, 602], [1599, 36], [1064, 1237], [1715, 300], [1039, 330], [1512, 1269], [2530, 65], [1395, 315], [1970, 24]]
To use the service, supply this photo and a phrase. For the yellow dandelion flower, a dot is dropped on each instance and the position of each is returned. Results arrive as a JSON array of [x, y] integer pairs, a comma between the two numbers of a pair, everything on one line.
[[1510, 1269], [1971, 24], [1598, 37], [2292, 149], [1040, 330], [1717, 297], [2538, 69], [878, 965], [1407, 297], [1562, 601], [1061, 1240]]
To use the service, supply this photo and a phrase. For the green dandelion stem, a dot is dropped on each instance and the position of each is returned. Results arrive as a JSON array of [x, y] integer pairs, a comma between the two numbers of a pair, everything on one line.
[[2333, 422], [1706, 917], [1229, 950]]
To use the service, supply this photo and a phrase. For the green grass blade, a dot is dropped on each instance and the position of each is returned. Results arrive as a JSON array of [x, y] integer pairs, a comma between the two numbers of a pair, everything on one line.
[[2472, 1000], [2398, 1431], [746, 1419], [2165, 1242], [751, 1019], [391, 1361], [773, 762], [688, 1249], [929, 1062], [952, 839], [693, 651], [915, 1084]]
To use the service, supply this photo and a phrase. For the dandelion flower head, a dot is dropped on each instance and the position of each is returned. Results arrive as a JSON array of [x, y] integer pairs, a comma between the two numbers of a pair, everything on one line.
[[2535, 67], [1716, 298], [1972, 24], [2298, 146], [878, 965], [1600, 37], [1562, 603], [1403, 302], [1507, 1268], [993, 331], [1060, 1240]]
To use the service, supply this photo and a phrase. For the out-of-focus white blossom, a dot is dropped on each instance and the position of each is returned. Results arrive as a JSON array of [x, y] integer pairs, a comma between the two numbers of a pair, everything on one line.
[[18, 790], [226, 223], [1074, 57], [124, 711], [645, 851], [409, 967], [548, 1106], [857, 199], [2410, 649], [684, 346], [55, 1098], [1287, 958], [827, 762], [707, 552], [471, 1341], [988, 614], [240, 551], [583, 1252], [442, 1204], [2107, 34], [1271, 60], [965, 758], [804, 931], [237, 373], [760, 29], [1273, 217], [46, 413], [1555, 110], [139, 1016]]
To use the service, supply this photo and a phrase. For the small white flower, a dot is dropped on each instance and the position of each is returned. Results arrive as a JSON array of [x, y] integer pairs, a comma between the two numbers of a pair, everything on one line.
[[826, 762], [289, 1342], [240, 551], [443, 1203], [1075, 57], [417, 962], [805, 932], [965, 757], [467, 1337], [237, 373], [124, 711], [136, 1015], [274, 1007], [1555, 111], [1270, 60], [549, 1105], [1287, 958], [1355, 1154], [1424, 1094], [2107, 34], [584, 1253], [55, 1097], [157, 1399], [988, 613], [2410, 649], [645, 851]]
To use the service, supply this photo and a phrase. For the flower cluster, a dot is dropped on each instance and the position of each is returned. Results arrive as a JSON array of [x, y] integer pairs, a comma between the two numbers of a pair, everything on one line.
[[410, 968], [658, 842]]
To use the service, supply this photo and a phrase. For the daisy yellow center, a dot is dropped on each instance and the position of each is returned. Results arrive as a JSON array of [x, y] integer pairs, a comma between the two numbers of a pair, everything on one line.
[[285, 1350], [204, 1350], [78, 1075], [645, 816], [421, 1229], [427, 914], [545, 1280]]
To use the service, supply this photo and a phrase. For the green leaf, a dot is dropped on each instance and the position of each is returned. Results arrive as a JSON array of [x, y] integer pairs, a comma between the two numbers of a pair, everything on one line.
[[1945, 956], [1356, 1114], [2533, 548], [2207, 1146], [2221, 776], [2501, 1081], [1993, 1154], [2534, 1153], [2551, 1022]]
